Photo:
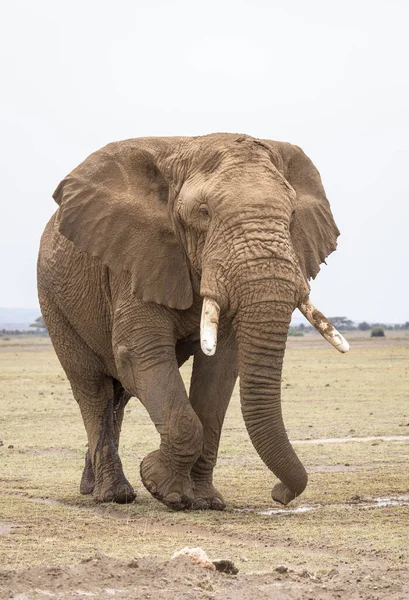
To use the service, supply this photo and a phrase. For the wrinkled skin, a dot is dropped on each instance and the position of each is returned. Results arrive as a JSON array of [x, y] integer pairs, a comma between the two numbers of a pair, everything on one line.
[[144, 230]]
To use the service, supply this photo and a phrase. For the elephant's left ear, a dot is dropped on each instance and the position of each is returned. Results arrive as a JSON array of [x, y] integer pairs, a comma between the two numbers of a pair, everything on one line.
[[313, 230], [114, 206]]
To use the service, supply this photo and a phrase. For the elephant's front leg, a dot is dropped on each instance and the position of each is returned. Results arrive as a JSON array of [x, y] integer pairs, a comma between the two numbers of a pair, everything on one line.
[[154, 377], [212, 384]]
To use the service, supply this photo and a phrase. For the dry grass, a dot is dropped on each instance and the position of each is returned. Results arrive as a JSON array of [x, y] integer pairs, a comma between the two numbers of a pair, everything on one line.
[[364, 393]]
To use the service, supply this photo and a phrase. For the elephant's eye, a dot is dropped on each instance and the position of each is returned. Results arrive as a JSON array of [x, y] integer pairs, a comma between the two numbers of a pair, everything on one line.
[[204, 211]]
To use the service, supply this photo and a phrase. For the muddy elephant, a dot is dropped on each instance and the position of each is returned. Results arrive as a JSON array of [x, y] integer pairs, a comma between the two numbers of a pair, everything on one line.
[[160, 249]]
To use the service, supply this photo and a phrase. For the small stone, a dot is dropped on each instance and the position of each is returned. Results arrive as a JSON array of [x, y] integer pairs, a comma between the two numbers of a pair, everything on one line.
[[332, 573], [225, 566], [205, 586], [358, 498], [10, 446], [281, 569], [196, 555], [133, 564]]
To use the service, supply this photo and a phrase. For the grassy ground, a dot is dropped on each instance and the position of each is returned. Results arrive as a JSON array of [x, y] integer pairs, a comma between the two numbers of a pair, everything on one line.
[[43, 518]]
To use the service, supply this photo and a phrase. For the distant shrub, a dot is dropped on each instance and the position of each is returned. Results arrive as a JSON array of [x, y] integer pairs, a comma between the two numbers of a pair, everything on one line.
[[39, 326], [377, 332], [294, 332]]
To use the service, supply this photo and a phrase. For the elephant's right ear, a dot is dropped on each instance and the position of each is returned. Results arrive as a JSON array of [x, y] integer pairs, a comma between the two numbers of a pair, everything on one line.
[[114, 207]]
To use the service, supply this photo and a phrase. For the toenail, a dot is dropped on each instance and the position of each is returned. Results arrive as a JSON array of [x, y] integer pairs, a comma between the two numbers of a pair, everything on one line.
[[152, 487]]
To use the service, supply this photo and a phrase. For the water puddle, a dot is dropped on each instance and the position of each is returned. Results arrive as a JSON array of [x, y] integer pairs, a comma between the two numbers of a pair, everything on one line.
[[344, 440], [5, 528], [380, 502], [279, 511], [289, 511], [355, 502]]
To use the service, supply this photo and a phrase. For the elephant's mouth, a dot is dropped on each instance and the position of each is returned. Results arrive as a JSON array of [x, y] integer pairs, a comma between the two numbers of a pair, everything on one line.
[[210, 320]]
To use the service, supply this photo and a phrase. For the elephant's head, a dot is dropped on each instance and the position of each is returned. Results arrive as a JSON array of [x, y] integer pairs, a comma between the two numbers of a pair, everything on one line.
[[244, 221]]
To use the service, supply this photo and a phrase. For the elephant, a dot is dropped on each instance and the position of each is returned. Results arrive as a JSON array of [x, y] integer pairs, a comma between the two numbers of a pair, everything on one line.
[[164, 248]]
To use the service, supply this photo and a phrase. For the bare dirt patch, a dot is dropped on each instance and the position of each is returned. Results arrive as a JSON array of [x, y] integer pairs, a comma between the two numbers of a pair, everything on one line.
[[105, 577]]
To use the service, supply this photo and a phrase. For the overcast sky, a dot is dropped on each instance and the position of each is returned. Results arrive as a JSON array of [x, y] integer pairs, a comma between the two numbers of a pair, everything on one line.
[[331, 77]]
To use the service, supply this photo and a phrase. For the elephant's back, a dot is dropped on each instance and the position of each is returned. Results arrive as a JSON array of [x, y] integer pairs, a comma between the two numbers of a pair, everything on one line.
[[77, 285]]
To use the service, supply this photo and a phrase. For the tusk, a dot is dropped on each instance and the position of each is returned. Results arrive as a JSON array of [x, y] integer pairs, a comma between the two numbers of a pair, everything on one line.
[[209, 323], [323, 326]]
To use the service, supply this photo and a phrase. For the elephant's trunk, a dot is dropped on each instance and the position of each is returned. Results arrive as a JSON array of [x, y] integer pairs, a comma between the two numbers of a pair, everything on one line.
[[261, 334], [259, 287]]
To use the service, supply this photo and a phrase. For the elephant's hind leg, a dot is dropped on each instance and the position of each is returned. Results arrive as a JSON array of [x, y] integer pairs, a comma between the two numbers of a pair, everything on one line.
[[103, 471], [87, 484], [95, 394], [121, 398]]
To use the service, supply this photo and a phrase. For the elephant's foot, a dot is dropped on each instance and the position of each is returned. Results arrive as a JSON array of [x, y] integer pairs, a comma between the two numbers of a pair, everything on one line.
[[119, 491], [168, 486], [207, 497], [282, 494], [87, 480]]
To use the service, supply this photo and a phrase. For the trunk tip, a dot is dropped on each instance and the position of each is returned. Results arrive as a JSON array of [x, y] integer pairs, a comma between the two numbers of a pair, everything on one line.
[[282, 494]]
